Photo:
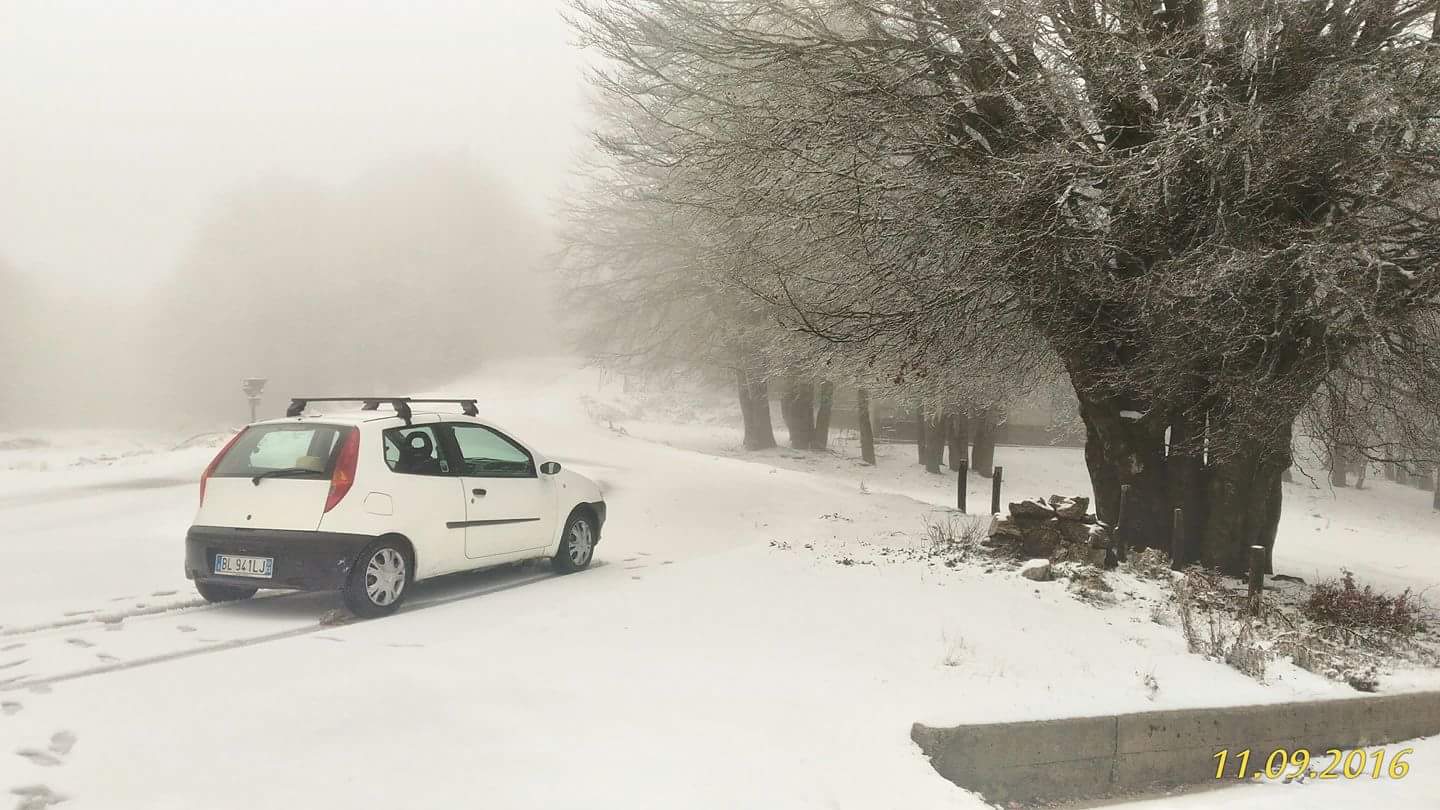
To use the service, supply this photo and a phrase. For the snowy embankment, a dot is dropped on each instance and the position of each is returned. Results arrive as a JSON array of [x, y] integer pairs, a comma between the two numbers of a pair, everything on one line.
[[751, 635]]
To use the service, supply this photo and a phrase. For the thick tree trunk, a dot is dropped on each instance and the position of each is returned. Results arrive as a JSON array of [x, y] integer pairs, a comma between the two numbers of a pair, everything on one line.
[[821, 439], [867, 430], [754, 395], [982, 453], [934, 441], [920, 434], [1229, 504], [959, 435], [1243, 499], [1436, 501], [1120, 451], [798, 410]]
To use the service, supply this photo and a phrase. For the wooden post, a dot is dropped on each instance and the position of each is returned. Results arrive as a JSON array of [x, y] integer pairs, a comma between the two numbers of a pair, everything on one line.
[[1122, 545], [1257, 577], [960, 485], [1177, 541], [1436, 503], [995, 490]]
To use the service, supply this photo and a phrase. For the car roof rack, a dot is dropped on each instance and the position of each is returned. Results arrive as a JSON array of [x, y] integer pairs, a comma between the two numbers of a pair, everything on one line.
[[400, 404]]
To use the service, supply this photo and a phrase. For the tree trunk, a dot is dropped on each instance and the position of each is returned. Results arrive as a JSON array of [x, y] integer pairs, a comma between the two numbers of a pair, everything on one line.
[[1436, 502], [982, 454], [1120, 451], [867, 431], [821, 439], [1426, 478], [798, 409], [959, 435], [934, 441], [1337, 466], [1243, 505], [1229, 503], [920, 433], [754, 395]]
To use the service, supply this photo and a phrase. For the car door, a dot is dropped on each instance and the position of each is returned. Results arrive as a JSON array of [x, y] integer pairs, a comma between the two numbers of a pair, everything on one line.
[[424, 496], [507, 509]]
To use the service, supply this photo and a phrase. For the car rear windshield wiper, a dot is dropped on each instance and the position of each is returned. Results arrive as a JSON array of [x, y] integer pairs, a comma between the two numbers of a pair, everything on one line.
[[284, 472]]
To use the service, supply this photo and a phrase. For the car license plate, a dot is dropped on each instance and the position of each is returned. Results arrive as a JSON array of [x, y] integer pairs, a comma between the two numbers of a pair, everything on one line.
[[258, 567]]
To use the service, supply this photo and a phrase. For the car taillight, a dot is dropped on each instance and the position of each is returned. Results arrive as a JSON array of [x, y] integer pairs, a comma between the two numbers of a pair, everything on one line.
[[345, 462], [215, 462]]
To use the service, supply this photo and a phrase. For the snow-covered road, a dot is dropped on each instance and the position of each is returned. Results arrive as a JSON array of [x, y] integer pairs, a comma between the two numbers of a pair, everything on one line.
[[740, 642]]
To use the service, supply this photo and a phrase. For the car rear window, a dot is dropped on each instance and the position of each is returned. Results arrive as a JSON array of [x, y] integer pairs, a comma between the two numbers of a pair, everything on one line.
[[266, 448]]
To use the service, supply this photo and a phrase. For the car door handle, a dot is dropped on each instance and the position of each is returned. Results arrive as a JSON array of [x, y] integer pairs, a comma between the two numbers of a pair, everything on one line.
[[477, 492]]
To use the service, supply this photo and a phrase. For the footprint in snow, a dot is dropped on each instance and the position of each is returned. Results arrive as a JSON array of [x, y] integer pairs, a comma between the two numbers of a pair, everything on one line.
[[78, 612], [123, 598], [637, 577], [185, 628], [8, 647], [106, 657], [42, 758], [62, 741], [17, 662], [667, 562], [10, 707], [79, 642], [40, 688], [36, 797], [164, 593]]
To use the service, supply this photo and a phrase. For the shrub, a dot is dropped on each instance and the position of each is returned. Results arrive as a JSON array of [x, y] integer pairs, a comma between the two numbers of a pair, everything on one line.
[[1344, 604]]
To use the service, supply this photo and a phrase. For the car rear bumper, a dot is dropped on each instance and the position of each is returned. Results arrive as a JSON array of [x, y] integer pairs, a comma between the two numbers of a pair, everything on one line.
[[310, 561]]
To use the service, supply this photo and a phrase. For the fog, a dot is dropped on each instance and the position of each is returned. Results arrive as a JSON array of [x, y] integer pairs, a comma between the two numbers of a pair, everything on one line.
[[335, 197]]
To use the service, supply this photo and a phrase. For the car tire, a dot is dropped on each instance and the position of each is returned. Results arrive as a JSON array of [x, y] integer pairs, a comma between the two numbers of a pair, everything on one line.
[[380, 579], [577, 543], [212, 592]]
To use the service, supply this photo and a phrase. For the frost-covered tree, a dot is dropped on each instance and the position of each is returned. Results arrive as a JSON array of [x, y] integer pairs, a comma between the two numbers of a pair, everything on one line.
[[1200, 208]]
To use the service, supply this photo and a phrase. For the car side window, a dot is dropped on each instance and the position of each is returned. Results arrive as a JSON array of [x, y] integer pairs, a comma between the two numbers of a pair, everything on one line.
[[416, 451], [485, 453]]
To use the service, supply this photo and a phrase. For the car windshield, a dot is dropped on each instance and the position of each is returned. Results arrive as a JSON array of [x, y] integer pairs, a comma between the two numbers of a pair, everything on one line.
[[301, 450]]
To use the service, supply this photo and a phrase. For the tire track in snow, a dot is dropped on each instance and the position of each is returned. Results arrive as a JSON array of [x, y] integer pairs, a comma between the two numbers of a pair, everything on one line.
[[266, 638]]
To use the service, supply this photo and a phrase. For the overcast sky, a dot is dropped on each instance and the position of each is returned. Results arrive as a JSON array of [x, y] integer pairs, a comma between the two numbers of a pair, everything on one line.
[[123, 121]]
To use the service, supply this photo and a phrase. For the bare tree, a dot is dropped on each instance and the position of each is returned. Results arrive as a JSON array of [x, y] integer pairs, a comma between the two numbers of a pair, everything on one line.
[[1201, 208]]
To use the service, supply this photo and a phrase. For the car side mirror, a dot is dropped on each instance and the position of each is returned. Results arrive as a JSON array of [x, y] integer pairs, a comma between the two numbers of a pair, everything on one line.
[[550, 467]]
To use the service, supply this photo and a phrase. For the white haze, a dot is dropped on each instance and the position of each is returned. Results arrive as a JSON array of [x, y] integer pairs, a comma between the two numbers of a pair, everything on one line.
[[427, 137]]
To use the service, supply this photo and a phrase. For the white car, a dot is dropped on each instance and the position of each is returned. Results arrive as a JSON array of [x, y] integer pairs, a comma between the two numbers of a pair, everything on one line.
[[369, 501]]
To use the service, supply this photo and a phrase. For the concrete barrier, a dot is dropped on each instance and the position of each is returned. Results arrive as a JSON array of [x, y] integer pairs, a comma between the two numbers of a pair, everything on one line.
[[1087, 757]]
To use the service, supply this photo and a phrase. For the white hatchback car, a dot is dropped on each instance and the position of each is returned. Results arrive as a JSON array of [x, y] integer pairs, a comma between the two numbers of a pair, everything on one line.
[[367, 502]]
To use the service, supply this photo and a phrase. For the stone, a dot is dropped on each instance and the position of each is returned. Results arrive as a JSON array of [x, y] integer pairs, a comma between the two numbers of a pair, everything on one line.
[[1040, 540], [1073, 533], [1071, 508], [1004, 528], [1038, 570], [1031, 510]]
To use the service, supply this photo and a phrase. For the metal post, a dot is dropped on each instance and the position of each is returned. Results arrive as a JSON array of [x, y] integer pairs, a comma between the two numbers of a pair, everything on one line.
[[1122, 545], [995, 490], [1257, 577], [254, 406], [960, 485], [1177, 541]]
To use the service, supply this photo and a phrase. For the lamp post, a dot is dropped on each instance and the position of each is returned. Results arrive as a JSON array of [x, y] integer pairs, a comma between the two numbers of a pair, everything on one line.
[[253, 387]]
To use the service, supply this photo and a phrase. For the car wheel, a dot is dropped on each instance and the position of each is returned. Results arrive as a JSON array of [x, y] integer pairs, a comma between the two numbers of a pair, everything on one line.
[[223, 593], [379, 579], [577, 543]]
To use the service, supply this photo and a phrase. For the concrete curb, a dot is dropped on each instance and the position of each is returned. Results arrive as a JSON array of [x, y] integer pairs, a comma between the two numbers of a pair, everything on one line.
[[1086, 757]]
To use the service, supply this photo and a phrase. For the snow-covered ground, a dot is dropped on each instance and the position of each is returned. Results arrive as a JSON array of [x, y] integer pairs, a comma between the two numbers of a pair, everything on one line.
[[746, 638]]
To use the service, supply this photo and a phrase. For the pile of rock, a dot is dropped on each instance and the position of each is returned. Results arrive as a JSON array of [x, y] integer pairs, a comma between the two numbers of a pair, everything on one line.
[[1059, 529]]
